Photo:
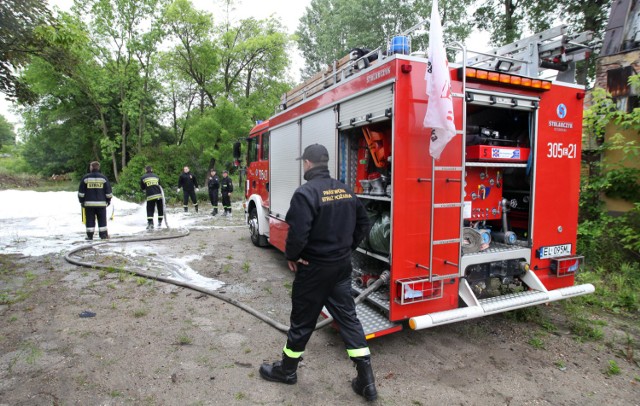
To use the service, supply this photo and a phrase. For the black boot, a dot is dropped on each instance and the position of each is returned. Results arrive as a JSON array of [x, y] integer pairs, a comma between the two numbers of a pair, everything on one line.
[[364, 384], [186, 209], [281, 371], [150, 225], [159, 223], [103, 235], [89, 236], [215, 211], [196, 207]]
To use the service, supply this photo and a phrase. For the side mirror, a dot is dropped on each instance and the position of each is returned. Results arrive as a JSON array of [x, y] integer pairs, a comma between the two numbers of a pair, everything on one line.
[[237, 152]]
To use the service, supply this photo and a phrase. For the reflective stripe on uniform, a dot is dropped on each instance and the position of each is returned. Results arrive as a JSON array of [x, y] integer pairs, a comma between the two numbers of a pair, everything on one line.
[[358, 352], [95, 204], [154, 197], [292, 354]]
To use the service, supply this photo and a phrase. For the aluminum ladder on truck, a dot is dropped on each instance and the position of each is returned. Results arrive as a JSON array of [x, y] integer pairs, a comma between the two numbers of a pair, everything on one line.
[[441, 177], [552, 49]]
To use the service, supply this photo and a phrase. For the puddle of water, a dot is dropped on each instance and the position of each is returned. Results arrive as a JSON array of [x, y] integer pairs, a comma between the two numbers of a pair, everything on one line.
[[40, 223]]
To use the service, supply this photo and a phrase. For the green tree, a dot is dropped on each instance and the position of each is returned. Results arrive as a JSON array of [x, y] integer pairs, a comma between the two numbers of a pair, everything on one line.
[[329, 29], [196, 56], [126, 34], [78, 83], [507, 20], [592, 16], [7, 133], [18, 20], [250, 51], [608, 238]]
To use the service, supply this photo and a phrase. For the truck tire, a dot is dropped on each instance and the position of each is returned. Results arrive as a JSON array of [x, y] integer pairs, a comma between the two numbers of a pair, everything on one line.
[[254, 228]]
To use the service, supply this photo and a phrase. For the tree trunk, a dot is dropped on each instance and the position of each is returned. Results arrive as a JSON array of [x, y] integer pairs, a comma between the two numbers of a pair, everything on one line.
[[105, 133], [123, 134], [247, 91]]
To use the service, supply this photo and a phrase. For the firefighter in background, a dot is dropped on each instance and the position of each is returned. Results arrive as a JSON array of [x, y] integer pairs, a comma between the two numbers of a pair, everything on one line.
[[214, 185], [94, 194], [226, 187], [326, 223], [189, 185], [150, 183]]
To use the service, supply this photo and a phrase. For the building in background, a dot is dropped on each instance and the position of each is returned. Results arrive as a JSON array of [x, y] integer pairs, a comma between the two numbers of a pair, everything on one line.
[[619, 59]]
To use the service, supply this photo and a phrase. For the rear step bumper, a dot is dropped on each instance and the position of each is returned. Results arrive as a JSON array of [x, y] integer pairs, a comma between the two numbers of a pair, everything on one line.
[[485, 307]]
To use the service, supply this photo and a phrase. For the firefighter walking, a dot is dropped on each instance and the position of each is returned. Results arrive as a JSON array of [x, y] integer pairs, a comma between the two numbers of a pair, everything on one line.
[[150, 183], [326, 223], [189, 185], [94, 194], [226, 187]]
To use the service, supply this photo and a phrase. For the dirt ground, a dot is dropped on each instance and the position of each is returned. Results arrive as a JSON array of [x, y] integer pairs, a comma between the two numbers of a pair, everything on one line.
[[153, 343]]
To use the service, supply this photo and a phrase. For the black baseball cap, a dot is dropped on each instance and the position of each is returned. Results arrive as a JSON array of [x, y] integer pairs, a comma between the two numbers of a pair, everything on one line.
[[315, 153]]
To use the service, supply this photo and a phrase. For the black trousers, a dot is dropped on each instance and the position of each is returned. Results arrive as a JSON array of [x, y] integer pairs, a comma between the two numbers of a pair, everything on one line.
[[151, 206], [213, 196], [92, 213], [316, 286], [186, 194], [226, 201]]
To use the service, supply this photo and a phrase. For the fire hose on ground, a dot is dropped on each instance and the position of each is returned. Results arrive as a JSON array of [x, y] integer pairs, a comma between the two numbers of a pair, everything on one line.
[[384, 278]]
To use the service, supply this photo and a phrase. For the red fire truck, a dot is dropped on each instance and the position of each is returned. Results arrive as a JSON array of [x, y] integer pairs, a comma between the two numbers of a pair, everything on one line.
[[488, 227]]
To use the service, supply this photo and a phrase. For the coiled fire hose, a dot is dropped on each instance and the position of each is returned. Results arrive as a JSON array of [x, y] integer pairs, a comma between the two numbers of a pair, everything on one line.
[[185, 232]]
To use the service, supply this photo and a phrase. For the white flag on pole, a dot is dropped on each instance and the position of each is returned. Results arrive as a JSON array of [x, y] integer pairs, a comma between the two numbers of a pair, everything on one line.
[[439, 115]]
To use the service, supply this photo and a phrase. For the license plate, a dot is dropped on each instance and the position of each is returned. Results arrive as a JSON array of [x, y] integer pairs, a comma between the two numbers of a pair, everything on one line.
[[553, 251]]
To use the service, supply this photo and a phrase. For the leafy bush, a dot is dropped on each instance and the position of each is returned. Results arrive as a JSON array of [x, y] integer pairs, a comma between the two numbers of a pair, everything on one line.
[[611, 244]]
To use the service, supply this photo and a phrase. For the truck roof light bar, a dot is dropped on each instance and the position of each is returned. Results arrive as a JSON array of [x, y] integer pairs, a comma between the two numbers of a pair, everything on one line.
[[482, 75]]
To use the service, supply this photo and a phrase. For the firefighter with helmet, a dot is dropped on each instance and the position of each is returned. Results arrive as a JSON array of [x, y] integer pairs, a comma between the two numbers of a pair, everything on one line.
[[326, 223]]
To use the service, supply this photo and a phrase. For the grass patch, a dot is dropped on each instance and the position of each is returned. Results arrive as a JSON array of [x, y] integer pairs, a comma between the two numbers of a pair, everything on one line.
[[561, 365], [140, 313], [537, 343], [617, 290], [246, 266], [586, 331], [184, 339], [613, 369]]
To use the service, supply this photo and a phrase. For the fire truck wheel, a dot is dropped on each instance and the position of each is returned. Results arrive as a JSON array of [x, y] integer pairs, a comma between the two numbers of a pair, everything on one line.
[[254, 227]]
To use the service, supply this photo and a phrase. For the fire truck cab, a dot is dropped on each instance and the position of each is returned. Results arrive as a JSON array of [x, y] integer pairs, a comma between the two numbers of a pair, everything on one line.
[[488, 227]]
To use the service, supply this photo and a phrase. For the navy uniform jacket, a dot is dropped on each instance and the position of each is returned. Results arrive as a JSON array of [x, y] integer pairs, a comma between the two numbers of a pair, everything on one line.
[[326, 220], [214, 183], [94, 190], [226, 185], [187, 182], [150, 183]]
